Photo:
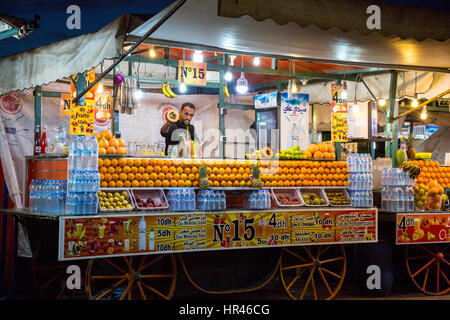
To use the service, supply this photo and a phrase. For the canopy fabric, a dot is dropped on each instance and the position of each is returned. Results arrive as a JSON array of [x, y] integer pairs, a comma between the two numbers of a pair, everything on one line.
[[62, 59], [197, 24], [405, 21]]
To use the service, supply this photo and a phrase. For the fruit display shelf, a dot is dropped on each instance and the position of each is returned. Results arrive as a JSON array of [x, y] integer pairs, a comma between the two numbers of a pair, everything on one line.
[[345, 198], [291, 195], [317, 192]]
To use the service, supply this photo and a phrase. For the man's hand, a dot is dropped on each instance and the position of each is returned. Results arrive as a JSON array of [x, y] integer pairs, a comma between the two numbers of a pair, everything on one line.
[[165, 127]]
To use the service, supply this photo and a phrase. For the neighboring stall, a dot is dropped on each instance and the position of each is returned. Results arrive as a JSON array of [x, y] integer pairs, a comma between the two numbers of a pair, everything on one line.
[[286, 196]]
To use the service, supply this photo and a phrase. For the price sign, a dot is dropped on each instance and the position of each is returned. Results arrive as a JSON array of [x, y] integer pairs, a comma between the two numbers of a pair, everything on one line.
[[339, 115], [192, 73], [66, 101]]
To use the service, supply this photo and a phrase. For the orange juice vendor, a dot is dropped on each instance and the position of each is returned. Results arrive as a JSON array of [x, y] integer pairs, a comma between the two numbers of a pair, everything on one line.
[[172, 130]]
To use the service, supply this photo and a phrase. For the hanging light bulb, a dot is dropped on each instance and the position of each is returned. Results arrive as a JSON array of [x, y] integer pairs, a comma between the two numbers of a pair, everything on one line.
[[423, 114], [344, 91], [182, 86], [152, 52], [382, 102], [228, 76], [242, 84], [294, 88], [415, 102], [256, 61], [198, 56]]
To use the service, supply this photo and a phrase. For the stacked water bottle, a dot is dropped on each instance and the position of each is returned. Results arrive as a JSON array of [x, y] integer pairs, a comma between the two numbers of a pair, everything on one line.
[[84, 178], [397, 194], [181, 199], [210, 200], [359, 167], [259, 200], [48, 196]]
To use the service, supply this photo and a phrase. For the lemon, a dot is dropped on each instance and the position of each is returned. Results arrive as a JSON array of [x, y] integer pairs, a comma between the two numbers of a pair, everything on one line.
[[419, 204]]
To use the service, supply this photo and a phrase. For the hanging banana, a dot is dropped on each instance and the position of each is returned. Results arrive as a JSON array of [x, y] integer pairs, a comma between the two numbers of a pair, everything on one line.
[[164, 91], [225, 90], [169, 91]]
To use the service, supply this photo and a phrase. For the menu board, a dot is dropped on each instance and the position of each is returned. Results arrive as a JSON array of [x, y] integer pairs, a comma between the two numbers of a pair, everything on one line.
[[423, 228], [83, 237], [339, 115]]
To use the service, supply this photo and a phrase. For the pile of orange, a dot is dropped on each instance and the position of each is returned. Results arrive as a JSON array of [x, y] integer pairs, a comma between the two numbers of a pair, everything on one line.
[[107, 144], [319, 151], [134, 173], [431, 170], [305, 173], [165, 173]]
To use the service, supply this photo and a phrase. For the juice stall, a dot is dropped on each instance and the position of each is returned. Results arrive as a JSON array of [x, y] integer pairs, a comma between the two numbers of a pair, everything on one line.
[[129, 214]]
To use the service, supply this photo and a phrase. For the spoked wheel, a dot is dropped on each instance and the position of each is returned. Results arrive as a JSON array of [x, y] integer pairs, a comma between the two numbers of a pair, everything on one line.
[[428, 266], [313, 272], [50, 276], [151, 277]]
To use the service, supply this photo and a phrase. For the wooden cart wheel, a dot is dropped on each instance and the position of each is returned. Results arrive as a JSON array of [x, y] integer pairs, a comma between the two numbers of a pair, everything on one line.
[[313, 272], [50, 276], [428, 266], [148, 277]]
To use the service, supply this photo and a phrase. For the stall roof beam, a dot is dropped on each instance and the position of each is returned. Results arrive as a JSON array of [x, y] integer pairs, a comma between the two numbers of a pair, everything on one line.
[[422, 104], [219, 67]]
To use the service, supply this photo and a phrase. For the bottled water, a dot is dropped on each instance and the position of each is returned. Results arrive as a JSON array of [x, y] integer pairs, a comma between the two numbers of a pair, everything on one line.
[[201, 200], [92, 153], [360, 180]]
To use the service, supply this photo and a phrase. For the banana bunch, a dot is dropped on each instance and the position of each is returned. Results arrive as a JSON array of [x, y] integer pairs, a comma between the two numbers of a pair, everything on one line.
[[225, 90], [412, 170], [167, 91]]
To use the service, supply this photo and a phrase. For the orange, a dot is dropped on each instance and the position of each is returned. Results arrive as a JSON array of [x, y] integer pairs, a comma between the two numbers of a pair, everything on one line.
[[141, 170], [157, 169], [115, 177], [307, 154], [138, 176], [100, 162], [180, 170], [103, 143], [108, 177], [102, 177], [103, 170], [180, 183], [127, 184], [165, 183], [106, 162], [167, 163], [318, 155], [113, 142], [195, 184], [134, 169], [313, 148], [111, 150], [123, 177], [149, 169], [104, 184], [188, 183], [126, 169], [187, 170], [298, 183], [176, 176], [101, 150], [169, 176], [158, 183], [165, 169], [322, 147], [173, 183], [130, 177], [111, 170], [236, 183], [135, 183], [118, 170], [142, 184], [159, 162], [172, 169], [280, 183], [161, 176], [119, 184], [112, 184], [106, 134], [191, 177]]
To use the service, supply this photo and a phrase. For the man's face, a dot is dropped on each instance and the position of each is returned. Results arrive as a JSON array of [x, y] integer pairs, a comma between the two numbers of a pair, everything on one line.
[[186, 115]]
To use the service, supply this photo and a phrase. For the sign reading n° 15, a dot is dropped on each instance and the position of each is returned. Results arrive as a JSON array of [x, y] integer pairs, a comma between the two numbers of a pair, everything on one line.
[[192, 73]]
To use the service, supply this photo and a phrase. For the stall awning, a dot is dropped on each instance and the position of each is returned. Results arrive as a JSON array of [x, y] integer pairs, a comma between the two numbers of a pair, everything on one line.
[[198, 23], [64, 58]]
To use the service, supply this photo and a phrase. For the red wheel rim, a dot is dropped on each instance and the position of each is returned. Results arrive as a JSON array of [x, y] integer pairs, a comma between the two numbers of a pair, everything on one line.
[[429, 268]]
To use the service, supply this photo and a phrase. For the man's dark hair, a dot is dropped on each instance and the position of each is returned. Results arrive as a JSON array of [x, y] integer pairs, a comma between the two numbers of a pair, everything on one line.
[[187, 104]]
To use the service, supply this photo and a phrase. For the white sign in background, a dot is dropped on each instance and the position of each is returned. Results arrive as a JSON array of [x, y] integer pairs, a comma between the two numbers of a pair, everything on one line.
[[294, 121]]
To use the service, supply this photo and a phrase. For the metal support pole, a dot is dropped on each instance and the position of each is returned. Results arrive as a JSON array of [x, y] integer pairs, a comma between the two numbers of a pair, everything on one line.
[[221, 116], [37, 106], [337, 145], [391, 113]]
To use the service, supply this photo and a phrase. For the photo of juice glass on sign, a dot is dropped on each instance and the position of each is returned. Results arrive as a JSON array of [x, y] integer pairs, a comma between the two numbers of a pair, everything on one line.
[[126, 227], [126, 244], [101, 231]]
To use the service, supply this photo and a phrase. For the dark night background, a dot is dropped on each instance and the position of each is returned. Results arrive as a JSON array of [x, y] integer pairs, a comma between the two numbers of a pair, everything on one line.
[[97, 13]]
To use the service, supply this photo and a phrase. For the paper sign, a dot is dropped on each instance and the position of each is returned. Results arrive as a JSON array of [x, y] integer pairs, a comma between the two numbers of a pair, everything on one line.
[[193, 73], [66, 101], [423, 228], [339, 115], [294, 121], [103, 103], [137, 233]]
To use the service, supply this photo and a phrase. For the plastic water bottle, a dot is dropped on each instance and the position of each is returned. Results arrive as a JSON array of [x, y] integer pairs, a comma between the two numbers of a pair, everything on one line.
[[224, 201], [93, 159], [268, 202], [201, 200], [193, 200]]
